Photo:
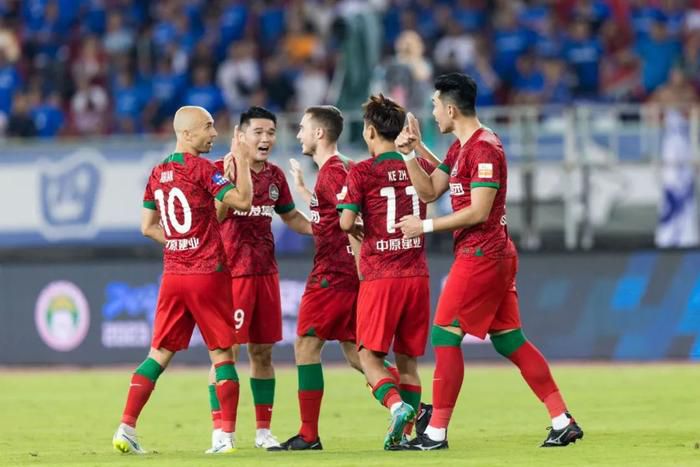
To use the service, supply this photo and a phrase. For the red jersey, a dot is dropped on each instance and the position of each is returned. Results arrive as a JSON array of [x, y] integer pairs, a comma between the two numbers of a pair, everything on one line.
[[334, 264], [247, 236], [181, 189], [380, 190], [481, 162]]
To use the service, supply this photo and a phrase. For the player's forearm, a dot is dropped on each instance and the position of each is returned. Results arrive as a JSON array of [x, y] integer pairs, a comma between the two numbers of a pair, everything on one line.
[[299, 223], [155, 233], [424, 151], [243, 192], [221, 210], [304, 192], [462, 219], [356, 246], [421, 181]]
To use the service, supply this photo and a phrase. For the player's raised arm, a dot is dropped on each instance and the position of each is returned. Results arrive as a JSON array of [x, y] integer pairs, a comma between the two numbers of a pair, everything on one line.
[[298, 176], [150, 225], [428, 186], [241, 197]]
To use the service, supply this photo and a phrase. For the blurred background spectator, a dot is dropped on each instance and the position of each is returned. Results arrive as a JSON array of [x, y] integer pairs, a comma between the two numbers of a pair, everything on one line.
[[130, 63]]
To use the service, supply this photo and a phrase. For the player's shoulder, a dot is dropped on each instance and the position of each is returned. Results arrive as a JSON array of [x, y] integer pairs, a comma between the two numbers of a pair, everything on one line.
[[487, 141], [219, 164], [336, 166]]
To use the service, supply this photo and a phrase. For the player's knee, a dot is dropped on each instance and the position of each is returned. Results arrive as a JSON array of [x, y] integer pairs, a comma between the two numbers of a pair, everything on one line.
[[441, 336], [307, 350], [260, 354], [508, 342]]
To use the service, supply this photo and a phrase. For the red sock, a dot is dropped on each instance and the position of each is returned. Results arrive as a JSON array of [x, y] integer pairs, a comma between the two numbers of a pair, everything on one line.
[[263, 416], [535, 371], [227, 392], [447, 381], [394, 374], [310, 409], [139, 392], [216, 419], [391, 396]]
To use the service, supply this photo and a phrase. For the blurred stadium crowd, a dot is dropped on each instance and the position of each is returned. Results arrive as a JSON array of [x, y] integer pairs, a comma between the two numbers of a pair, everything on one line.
[[87, 67]]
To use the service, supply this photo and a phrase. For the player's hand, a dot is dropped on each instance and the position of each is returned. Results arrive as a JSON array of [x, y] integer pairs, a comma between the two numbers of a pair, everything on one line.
[[409, 137], [297, 173], [240, 148], [358, 230], [411, 226]]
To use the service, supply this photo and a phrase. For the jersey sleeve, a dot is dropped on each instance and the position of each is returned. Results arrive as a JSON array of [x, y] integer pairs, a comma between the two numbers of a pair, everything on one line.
[[213, 180], [449, 161], [351, 195], [149, 201], [485, 166], [285, 202]]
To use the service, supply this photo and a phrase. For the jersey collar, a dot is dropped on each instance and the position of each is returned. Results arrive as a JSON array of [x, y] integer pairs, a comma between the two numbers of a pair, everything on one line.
[[387, 156]]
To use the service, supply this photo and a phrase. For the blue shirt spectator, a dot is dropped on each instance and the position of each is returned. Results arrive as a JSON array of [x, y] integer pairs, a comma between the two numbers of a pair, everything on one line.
[[129, 99], [204, 93], [9, 83], [233, 22], [584, 52], [272, 24], [48, 116], [658, 53], [508, 43]]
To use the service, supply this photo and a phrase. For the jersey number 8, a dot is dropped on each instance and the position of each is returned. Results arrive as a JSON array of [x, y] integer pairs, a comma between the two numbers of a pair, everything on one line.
[[169, 217]]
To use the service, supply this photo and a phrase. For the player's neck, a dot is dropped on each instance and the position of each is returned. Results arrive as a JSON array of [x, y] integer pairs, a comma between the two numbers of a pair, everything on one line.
[[323, 153], [257, 166], [182, 149], [383, 146], [465, 128]]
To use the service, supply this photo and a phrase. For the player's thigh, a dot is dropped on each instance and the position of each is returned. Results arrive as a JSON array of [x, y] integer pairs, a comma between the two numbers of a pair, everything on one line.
[[244, 295], [473, 291], [412, 330], [173, 324], [208, 298], [377, 314], [266, 321]]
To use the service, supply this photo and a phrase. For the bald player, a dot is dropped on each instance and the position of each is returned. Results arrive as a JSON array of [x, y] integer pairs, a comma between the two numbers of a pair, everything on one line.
[[179, 214]]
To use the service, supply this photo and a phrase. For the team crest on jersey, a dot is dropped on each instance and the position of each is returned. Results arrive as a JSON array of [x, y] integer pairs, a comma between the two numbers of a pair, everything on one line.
[[274, 192], [485, 170], [219, 179], [454, 170], [314, 201]]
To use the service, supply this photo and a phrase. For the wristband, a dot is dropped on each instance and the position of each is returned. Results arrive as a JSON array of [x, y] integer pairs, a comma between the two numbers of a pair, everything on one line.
[[409, 156], [427, 225]]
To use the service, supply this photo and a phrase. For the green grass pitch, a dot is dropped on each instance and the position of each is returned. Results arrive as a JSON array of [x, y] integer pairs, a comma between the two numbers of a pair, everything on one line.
[[637, 415]]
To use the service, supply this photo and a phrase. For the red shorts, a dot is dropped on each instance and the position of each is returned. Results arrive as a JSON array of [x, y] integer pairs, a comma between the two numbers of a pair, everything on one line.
[[328, 314], [395, 309], [186, 299], [257, 309], [480, 295]]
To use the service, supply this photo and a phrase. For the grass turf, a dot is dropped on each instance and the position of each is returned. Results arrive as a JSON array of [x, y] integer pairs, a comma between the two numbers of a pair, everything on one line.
[[640, 415]]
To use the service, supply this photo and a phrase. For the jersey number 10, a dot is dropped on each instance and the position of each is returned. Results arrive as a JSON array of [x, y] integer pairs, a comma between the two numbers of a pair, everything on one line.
[[168, 216], [390, 194]]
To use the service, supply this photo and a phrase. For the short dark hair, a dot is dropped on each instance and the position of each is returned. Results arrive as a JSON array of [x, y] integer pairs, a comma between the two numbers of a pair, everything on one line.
[[256, 112], [385, 115], [459, 89], [329, 118]]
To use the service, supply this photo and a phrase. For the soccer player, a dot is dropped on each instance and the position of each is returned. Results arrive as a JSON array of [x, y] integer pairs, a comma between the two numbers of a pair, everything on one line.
[[178, 213], [479, 297], [394, 299], [250, 253]]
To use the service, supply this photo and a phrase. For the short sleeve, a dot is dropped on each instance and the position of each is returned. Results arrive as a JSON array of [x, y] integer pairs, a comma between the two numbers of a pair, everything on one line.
[[485, 166], [213, 180], [149, 201], [449, 161], [285, 202], [350, 197]]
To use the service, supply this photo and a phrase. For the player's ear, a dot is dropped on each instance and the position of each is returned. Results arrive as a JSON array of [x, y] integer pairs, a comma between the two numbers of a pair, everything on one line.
[[319, 132]]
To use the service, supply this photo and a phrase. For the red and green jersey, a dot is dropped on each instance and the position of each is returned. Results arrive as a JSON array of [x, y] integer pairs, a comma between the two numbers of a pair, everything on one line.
[[380, 190], [247, 236], [480, 162], [181, 189], [334, 264]]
